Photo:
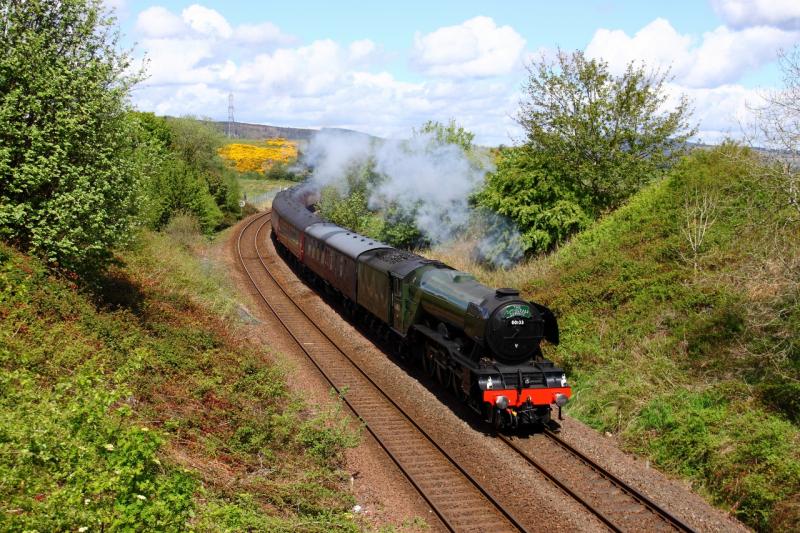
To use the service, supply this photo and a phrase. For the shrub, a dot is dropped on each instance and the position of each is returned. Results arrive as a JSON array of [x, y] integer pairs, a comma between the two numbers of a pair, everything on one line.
[[528, 191], [67, 176]]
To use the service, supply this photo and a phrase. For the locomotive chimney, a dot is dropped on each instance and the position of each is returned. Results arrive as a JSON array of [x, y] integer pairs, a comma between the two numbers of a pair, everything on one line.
[[506, 292]]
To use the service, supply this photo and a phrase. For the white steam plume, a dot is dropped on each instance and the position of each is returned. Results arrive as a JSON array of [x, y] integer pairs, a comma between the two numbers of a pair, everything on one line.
[[421, 176]]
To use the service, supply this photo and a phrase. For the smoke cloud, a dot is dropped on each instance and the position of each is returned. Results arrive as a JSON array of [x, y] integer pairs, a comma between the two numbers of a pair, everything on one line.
[[426, 179]]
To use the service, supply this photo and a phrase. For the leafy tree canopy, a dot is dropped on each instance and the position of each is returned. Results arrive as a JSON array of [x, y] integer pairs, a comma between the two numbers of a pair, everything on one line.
[[527, 189], [67, 183], [450, 133], [608, 135], [184, 173]]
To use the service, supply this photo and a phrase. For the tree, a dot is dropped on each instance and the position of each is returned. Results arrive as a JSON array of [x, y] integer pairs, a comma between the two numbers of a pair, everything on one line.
[[609, 135], [67, 180], [197, 142], [526, 189], [183, 173], [777, 124], [452, 133]]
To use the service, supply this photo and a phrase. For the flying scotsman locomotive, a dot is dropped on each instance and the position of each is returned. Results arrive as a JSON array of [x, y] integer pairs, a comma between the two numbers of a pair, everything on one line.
[[482, 343]]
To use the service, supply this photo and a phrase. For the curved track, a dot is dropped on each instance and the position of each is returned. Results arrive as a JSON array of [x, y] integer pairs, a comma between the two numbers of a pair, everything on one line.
[[460, 502], [458, 499]]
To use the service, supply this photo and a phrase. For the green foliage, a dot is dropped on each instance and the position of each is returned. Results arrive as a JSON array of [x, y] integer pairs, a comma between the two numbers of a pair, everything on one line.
[[184, 173], [398, 228], [350, 211], [101, 402], [327, 435], [71, 454], [607, 135], [283, 172], [527, 190], [178, 188], [67, 178], [196, 142], [695, 367], [694, 434], [68, 459], [451, 133]]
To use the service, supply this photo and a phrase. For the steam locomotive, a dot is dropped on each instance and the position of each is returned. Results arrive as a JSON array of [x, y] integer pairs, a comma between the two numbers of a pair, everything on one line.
[[483, 344]]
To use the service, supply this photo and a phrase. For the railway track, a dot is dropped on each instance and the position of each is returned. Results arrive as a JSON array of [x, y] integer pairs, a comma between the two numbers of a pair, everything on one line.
[[618, 505], [457, 498]]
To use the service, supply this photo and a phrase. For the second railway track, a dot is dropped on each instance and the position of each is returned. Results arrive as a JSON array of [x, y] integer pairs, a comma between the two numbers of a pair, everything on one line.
[[614, 502], [457, 498]]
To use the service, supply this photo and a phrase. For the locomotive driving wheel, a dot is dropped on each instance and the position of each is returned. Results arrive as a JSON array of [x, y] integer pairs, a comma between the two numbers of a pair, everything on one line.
[[429, 362], [442, 375], [455, 386]]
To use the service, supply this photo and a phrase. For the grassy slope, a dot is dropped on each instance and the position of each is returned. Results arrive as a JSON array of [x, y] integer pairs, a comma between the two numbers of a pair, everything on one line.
[[145, 412], [695, 368]]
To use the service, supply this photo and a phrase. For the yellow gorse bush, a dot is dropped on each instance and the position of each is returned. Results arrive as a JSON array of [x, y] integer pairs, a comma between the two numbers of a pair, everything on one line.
[[256, 158]]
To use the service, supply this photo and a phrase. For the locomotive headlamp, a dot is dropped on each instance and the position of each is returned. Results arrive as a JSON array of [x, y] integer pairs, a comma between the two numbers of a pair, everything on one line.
[[501, 402], [561, 399]]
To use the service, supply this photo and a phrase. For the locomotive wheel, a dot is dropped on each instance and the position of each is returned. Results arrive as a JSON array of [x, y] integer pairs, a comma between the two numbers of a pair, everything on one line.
[[442, 375], [428, 364], [488, 412], [497, 419], [455, 386]]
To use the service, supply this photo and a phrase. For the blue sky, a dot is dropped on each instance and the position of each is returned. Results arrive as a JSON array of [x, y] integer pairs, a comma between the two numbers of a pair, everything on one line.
[[386, 67]]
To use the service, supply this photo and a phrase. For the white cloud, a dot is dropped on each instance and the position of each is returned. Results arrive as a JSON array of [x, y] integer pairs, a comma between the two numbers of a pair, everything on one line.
[[158, 21], [362, 50], [475, 48], [193, 67], [722, 56], [173, 61], [721, 112], [207, 21], [308, 70], [783, 14], [265, 32], [725, 55]]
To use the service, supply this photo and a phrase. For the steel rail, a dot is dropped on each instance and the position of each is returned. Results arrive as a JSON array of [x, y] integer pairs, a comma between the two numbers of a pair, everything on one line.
[[441, 514], [631, 492], [662, 513], [553, 478]]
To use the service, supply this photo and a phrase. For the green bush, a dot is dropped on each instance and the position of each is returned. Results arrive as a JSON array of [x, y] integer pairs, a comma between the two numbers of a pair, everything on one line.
[[184, 174], [68, 179], [743, 453], [282, 171], [177, 188], [534, 196], [100, 405]]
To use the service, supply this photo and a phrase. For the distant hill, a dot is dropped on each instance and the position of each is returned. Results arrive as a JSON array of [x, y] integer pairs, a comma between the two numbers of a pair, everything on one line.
[[264, 131]]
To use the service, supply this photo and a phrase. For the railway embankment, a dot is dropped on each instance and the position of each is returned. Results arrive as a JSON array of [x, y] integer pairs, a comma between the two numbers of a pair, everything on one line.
[[680, 316], [140, 405]]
